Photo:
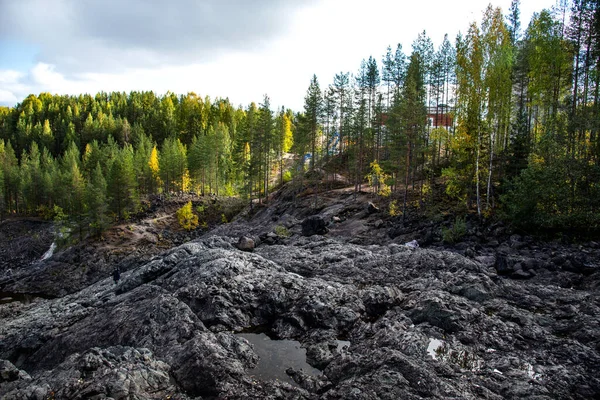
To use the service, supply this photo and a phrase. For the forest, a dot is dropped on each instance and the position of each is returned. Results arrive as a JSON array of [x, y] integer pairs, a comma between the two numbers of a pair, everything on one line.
[[505, 120]]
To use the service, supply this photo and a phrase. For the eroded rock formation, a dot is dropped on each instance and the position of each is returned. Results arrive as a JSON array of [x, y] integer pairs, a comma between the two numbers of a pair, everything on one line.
[[420, 322]]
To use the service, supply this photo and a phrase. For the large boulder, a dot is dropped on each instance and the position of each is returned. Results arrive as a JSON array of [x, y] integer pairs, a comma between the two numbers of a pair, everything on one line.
[[314, 225]]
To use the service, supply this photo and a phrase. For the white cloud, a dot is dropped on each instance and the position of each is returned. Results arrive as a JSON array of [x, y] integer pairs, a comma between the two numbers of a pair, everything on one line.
[[322, 37], [11, 87], [7, 97]]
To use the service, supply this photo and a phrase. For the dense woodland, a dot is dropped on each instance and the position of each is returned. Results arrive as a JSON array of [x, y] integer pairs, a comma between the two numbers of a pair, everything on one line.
[[523, 139]]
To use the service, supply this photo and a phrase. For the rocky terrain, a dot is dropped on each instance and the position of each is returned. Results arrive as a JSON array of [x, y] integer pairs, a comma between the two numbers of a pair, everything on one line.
[[496, 315]]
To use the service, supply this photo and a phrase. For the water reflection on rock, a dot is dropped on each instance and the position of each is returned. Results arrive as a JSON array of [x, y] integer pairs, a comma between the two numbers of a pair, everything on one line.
[[441, 351], [275, 356]]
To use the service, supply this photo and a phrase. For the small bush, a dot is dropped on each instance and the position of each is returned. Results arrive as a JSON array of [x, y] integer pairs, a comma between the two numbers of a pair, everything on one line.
[[456, 232], [282, 231], [393, 209], [186, 217], [45, 212], [287, 176]]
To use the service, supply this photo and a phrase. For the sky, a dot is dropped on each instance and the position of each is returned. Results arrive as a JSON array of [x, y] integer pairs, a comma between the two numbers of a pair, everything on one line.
[[240, 49]]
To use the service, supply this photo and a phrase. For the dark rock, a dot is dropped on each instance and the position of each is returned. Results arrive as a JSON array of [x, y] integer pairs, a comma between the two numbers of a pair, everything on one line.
[[580, 264], [245, 243], [520, 274], [504, 264], [314, 225], [168, 329], [372, 208], [10, 373]]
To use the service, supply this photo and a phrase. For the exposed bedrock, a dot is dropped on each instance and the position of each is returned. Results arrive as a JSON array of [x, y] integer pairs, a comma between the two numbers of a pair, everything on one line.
[[419, 322]]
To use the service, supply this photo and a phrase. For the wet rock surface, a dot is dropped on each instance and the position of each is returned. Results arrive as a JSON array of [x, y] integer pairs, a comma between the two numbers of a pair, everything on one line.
[[169, 328]]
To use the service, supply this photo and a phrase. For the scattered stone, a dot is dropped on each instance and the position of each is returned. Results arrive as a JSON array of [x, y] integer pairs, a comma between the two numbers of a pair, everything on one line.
[[413, 244], [245, 243]]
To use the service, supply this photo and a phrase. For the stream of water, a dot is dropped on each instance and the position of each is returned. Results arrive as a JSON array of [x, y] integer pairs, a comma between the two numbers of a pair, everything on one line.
[[49, 252]]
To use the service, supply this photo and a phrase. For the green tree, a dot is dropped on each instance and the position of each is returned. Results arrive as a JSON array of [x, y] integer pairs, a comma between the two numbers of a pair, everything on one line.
[[284, 137], [123, 199], [313, 102], [410, 113], [31, 176], [173, 164], [96, 202]]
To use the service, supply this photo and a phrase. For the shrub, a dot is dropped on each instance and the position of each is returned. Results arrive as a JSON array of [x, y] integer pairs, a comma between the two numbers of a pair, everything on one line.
[[554, 197], [186, 217], [287, 176], [282, 231], [393, 209], [456, 232]]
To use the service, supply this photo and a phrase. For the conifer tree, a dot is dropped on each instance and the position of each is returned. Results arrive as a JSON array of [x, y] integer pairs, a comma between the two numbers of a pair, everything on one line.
[[173, 164], [341, 88], [263, 142], [121, 185], [411, 115], [313, 110], [95, 201], [284, 138]]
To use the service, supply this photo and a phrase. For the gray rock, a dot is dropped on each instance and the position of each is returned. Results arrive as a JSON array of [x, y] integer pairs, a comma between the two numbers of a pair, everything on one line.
[[420, 323]]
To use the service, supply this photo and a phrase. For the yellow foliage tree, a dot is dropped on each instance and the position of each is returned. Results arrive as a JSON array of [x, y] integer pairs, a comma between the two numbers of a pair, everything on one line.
[[153, 162], [154, 167], [186, 217], [287, 136], [376, 178], [186, 181]]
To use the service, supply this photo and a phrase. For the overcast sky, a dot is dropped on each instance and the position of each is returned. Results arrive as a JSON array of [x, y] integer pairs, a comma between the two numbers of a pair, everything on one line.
[[241, 49]]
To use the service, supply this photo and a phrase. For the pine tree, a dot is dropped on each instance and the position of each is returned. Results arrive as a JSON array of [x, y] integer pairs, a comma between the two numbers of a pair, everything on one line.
[[412, 114], [313, 110], [173, 164], [283, 138], [341, 88], [121, 185], [145, 177], [263, 145], [95, 201], [31, 175]]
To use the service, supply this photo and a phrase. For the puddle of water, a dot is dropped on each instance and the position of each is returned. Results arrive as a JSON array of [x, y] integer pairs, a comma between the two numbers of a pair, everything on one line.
[[441, 351], [434, 345], [49, 252], [275, 356]]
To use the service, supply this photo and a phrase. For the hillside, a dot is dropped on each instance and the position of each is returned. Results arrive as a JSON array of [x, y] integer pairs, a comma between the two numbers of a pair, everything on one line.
[[494, 315]]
